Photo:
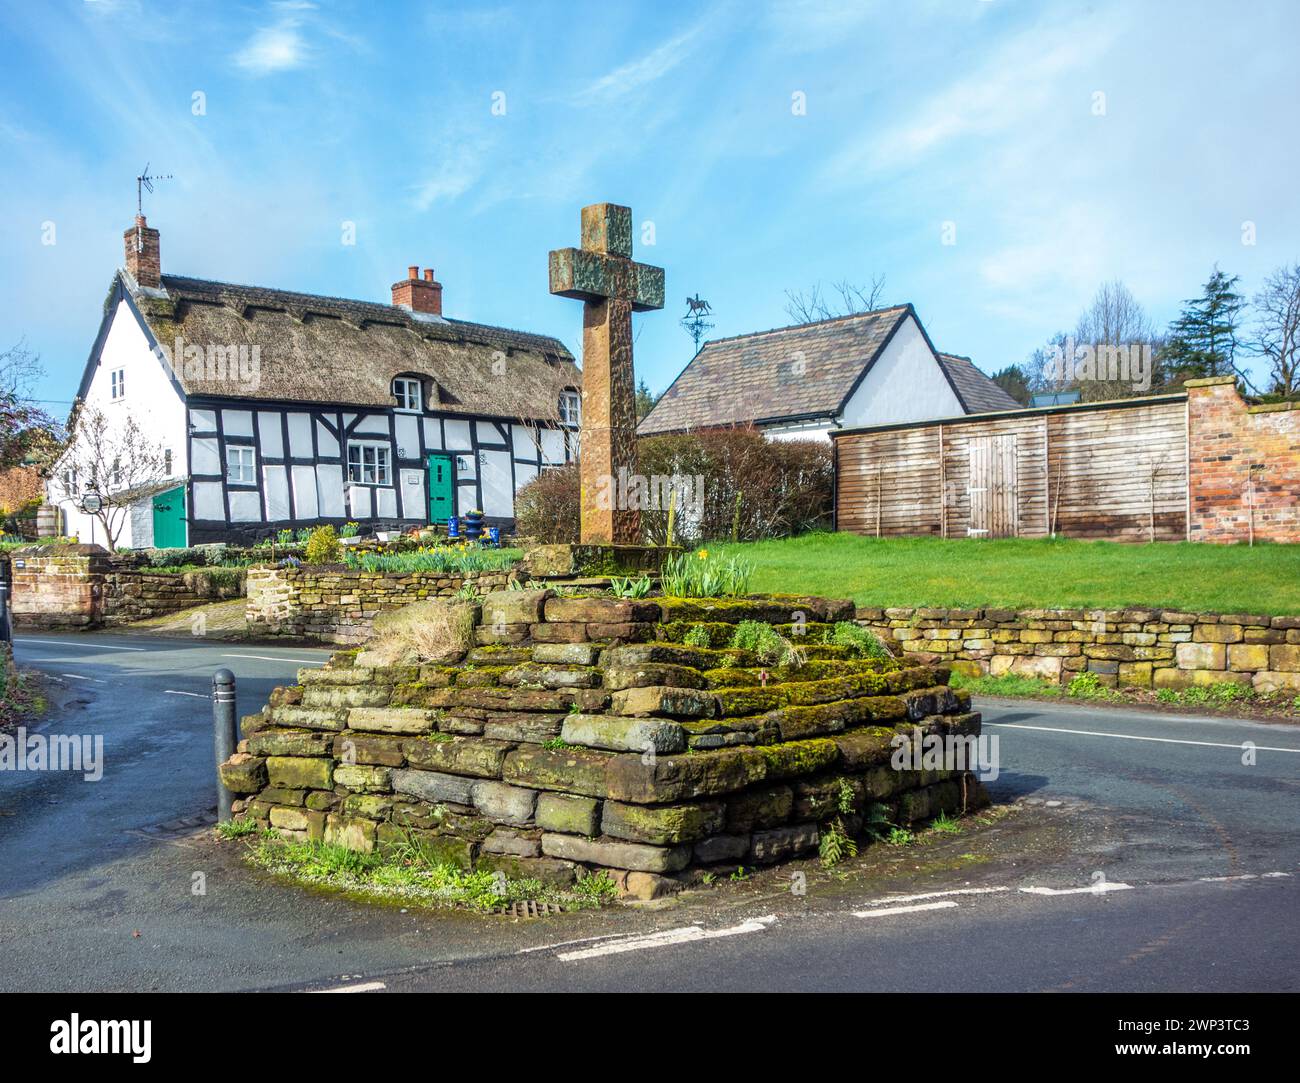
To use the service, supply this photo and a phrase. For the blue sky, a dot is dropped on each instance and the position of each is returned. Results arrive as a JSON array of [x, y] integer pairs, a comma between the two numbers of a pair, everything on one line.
[[978, 113]]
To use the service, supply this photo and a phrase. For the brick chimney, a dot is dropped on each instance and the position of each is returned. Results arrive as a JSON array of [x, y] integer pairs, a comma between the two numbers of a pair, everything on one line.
[[143, 254], [419, 295]]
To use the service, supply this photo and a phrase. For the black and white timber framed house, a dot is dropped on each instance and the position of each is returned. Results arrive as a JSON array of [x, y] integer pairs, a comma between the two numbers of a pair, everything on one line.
[[277, 409]]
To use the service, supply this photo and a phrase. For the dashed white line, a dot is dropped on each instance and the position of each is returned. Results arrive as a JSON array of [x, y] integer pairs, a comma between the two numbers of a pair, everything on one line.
[[685, 935], [896, 899], [1134, 737], [80, 677], [569, 943], [881, 911], [360, 987], [173, 692], [1100, 888], [268, 658]]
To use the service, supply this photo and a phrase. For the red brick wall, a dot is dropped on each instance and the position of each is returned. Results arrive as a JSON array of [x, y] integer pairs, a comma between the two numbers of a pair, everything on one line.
[[1244, 466]]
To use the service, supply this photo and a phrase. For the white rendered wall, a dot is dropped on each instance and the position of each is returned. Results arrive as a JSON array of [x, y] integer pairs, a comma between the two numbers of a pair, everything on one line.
[[150, 398], [905, 384]]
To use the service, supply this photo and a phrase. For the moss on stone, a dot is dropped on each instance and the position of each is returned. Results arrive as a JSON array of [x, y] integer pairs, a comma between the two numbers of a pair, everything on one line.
[[793, 759]]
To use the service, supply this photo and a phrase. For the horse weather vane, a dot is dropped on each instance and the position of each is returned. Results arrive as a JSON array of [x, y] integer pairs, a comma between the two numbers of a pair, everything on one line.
[[694, 321]]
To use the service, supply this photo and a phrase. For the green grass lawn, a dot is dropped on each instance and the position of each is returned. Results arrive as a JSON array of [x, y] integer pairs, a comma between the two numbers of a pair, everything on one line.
[[1017, 573]]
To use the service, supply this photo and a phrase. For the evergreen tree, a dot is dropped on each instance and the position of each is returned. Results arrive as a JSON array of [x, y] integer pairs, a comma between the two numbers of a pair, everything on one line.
[[1015, 382], [645, 402], [1203, 340]]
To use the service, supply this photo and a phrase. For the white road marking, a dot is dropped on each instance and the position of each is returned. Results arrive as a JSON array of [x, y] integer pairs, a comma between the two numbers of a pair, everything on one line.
[[1273, 875], [687, 935], [268, 658], [1092, 889], [938, 895], [80, 677], [360, 987], [1133, 737], [947, 904], [88, 643], [173, 692], [569, 943]]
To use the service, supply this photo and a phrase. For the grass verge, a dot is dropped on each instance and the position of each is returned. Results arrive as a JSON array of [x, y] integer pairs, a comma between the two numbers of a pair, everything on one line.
[[1223, 697], [1028, 573], [405, 875]]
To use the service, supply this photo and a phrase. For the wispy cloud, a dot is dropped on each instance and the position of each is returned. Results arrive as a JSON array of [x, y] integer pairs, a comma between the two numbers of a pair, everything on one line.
[[1016, 83], [644, 70], [279, 47]]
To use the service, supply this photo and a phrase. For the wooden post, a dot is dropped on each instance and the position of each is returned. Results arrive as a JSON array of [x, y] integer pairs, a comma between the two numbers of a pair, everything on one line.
[[943, 489], [879, 470], [1152, 482], [735, 516]]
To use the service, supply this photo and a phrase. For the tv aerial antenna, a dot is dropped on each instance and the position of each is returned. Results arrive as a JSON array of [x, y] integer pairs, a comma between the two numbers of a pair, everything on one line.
[[144, 183], [694, 322]]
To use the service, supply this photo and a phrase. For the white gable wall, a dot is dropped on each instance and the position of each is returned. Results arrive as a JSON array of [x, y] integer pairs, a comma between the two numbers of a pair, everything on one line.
[[150, 398], [905, 384]]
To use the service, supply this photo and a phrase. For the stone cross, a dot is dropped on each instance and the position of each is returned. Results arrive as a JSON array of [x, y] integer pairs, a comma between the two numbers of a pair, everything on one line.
[[603, 275]]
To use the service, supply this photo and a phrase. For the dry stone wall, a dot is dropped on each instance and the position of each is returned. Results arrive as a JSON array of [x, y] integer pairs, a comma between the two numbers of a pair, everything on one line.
[[1126, 648], [336, 604], [581, 732]]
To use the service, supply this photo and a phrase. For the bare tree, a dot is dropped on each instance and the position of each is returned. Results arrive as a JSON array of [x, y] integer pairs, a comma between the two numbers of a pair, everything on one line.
[[116, 459], [813, 305], [23, 424], [1277, 329], [1115, 319]]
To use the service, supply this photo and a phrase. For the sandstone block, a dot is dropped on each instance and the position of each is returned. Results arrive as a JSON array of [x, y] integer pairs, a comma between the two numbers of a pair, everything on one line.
[[617, 854]]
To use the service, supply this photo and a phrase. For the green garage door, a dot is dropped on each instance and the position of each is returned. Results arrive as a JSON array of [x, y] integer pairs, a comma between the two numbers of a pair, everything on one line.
[[169, 519]]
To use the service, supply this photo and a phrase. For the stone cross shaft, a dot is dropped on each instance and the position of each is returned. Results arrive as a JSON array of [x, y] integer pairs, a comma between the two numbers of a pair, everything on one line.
[[611, 286]]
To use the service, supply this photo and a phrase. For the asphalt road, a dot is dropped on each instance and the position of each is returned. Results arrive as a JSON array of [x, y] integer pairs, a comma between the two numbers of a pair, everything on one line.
[[1133, 852]]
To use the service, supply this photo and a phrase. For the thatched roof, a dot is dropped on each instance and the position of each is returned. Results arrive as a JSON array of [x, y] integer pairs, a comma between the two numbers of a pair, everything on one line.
[[335, 351]]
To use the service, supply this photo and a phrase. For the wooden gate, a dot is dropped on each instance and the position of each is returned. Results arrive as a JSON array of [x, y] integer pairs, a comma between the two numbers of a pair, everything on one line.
[[992, 486]]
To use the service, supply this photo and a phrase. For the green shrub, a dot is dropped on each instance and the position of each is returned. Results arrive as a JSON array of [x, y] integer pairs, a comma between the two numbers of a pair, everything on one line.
[[323, 546], [861, 642], [547, 508], [596, 888], [765, 642], [1219, 694], [760, 488], [1088, 686], [697, 637]]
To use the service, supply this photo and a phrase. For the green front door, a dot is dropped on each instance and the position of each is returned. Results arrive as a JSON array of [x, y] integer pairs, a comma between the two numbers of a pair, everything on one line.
[[169, 519], [442, 488]]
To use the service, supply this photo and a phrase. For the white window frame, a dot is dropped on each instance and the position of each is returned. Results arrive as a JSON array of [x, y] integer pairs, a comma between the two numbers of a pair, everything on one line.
[[241, 464], [404, 387], [117, 385], [378, 471], [570, 408]]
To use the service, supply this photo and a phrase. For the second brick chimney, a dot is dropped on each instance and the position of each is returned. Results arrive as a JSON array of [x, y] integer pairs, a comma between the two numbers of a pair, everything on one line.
[[143, 254], [419, 295]]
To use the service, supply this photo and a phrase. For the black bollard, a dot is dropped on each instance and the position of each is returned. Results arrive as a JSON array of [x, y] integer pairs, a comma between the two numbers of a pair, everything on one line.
[[224, 734]]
